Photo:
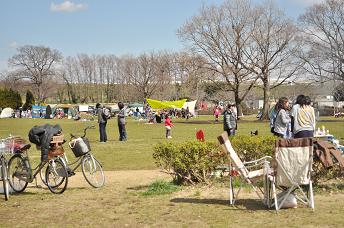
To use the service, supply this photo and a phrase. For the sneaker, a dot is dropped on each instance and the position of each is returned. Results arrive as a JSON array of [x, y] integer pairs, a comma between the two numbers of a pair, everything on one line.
[[169, 137]]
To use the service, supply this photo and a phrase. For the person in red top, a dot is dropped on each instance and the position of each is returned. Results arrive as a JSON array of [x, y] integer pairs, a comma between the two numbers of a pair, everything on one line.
[[217, 113], [168, 126]]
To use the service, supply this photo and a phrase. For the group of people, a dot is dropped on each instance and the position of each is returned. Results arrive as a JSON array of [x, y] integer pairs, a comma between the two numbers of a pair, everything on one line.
[[104, 114], [286, 121], [297, 121]]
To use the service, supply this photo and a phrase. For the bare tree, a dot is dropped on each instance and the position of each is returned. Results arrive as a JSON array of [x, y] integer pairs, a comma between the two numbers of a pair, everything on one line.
[[36, 63], [222, 36], [323, 33], [274, 60], [143, 73]]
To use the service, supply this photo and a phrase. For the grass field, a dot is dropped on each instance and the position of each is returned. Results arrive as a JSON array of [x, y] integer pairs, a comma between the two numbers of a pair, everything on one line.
[[136, 152], [130, 171]]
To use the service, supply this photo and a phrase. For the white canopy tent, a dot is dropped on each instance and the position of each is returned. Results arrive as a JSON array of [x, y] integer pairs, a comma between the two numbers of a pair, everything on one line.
[[6, 113], [191, 105]]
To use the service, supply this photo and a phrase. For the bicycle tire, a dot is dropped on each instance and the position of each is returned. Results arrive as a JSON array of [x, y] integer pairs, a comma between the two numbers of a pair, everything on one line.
[[92, 171], [56, 176], [42, 175], [16, 167], [5, 178]]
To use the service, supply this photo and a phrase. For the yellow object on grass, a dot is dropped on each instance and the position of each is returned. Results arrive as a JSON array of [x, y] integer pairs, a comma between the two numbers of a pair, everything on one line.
[[156, 104]]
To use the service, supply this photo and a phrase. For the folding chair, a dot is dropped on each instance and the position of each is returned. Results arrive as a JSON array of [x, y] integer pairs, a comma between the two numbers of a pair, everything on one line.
[[245, 172], [294, 159]]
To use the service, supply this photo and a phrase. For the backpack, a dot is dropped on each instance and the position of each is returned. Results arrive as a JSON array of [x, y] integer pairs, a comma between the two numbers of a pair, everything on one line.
[[106, 113]]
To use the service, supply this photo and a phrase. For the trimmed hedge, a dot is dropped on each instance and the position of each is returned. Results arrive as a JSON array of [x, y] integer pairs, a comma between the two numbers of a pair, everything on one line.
[[189, 162], [253, 147]]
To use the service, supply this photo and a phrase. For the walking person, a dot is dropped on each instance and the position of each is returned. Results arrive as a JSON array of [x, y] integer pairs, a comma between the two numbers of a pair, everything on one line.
[[168, 126], [121, 122], [282, 119], [303, 118], [102, 121], [230, 120]]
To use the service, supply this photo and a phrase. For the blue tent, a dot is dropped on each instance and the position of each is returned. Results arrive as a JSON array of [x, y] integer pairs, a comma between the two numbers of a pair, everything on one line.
[[38, 111]]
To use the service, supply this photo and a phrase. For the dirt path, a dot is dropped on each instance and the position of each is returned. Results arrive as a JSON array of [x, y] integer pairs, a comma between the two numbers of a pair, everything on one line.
[[123, 178]]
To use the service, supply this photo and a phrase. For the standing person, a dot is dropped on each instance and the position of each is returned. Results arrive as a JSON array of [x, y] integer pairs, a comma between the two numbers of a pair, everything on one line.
[[187, 113], [282, 119], [102, 121], [216, 113], [303, 118], [230, 120], [121, 122], [168, 126]]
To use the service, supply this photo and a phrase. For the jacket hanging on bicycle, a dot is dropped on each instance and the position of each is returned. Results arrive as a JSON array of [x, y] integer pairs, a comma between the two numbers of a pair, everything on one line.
[[41, 136]]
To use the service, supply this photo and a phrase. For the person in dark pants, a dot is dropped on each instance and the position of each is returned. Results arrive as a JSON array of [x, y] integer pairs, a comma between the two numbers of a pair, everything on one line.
[[121, 122], [102, 121], [230, 120]]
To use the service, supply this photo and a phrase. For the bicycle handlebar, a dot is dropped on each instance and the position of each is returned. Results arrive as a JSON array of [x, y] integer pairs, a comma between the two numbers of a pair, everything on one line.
[[85, 131]]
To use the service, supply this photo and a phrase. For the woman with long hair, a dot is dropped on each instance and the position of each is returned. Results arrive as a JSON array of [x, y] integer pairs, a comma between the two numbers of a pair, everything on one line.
[[282, 120]]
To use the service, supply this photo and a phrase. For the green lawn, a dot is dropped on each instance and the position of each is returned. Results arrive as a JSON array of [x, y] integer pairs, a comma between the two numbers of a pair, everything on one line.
[[136, 152], [122, 202]]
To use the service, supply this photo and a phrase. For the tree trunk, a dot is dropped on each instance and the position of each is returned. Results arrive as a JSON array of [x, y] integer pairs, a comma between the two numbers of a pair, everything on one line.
[[238, 104], [265, 111]]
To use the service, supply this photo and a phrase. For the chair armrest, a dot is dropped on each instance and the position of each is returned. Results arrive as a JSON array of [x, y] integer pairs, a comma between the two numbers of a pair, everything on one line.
[[258, 161]]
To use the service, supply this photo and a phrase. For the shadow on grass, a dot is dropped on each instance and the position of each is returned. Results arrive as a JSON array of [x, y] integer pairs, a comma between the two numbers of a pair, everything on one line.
[[138, 188], [241, 204]]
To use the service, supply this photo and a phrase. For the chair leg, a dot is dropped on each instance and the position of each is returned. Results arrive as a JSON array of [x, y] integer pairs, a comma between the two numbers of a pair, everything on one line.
[[274, 194], [311, 198], [231, 189]]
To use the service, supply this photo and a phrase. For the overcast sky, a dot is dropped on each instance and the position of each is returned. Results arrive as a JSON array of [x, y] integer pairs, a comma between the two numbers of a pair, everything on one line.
[[103, 26]]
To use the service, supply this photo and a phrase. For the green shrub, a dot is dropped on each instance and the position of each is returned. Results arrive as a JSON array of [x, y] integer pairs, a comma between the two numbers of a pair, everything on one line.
[[253, 147], [189, 162]]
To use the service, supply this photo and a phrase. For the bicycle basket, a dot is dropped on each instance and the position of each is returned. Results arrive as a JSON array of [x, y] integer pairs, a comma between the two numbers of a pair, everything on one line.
[[80, 146], [55, 151], [11, 144]]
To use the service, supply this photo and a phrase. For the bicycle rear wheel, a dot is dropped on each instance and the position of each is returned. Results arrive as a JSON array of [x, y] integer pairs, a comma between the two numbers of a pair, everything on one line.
[[5, 178], [56, 176], [92, 171], [17, 173]]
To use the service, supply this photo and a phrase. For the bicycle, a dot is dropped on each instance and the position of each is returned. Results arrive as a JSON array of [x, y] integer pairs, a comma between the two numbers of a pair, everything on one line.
[[20, 172], [6, 146], [91, 168]]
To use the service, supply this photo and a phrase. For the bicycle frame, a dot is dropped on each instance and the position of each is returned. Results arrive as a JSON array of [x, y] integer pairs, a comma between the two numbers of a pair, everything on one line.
[[78, 162], [32, 175]]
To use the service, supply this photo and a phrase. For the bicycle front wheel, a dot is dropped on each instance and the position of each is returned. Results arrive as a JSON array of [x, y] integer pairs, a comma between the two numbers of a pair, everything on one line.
[[18, 173], [56, 176], [92, 171], [42, 174], [5, 178]]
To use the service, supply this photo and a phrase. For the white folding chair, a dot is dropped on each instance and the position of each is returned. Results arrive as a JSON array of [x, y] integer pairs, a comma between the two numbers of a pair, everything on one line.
[[294, 159], [245, 171]]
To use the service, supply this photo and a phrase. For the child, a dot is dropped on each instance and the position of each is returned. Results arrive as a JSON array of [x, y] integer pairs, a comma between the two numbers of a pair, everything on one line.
[[168, 126]]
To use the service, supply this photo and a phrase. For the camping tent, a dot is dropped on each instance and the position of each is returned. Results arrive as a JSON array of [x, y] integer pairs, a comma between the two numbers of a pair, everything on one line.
[[156, 104], [136, 105], [38, 111], [67, 109], [6, 113], [191, 105]]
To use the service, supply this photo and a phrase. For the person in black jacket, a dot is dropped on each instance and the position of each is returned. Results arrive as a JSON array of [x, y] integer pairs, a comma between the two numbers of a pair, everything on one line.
[[121, 122], [42, 135], [102, 121]]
